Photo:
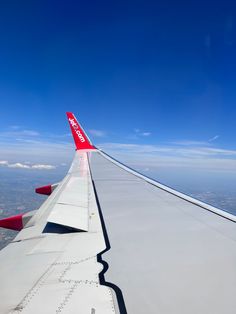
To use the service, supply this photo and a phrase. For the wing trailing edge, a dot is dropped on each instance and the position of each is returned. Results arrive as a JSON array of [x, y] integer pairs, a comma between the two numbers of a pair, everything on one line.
[[81, 139]]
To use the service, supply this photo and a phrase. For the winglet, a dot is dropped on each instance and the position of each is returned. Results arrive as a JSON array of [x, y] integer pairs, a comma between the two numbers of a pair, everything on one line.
[[81, 139]]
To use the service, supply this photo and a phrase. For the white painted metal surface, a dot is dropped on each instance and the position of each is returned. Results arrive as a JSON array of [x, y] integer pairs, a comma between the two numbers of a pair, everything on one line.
[[67, 215], [146, 248], [169, 253], [54, 270], [71, 208]]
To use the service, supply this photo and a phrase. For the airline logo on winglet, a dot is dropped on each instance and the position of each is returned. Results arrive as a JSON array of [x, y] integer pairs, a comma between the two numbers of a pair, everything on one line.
[[75, 127], [81, 139]]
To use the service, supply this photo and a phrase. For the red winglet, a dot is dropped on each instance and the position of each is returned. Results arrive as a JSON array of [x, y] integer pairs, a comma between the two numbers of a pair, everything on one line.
[[13, 222], [81, 139]]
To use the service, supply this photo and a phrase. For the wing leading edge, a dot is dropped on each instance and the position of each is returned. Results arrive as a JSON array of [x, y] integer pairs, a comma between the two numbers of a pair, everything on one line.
[[163, 252]]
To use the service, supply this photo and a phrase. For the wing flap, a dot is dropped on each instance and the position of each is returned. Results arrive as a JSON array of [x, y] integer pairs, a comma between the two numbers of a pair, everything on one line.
[[75, 217], [71, 208], [75, 192]]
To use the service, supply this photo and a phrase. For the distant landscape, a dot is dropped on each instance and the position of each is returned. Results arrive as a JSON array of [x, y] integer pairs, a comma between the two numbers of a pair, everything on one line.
[[17, 194], [17, 189]]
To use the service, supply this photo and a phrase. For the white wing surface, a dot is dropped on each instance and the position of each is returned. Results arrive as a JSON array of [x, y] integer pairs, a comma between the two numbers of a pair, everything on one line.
[[109, 240]]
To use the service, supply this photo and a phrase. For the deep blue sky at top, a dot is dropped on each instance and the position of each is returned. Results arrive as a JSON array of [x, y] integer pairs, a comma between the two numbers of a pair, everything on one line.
[[167, 67]]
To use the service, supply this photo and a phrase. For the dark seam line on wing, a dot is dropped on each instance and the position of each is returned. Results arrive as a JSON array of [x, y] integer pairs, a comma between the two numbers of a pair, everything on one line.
[[138, 173], [61, 203], [102, 280]]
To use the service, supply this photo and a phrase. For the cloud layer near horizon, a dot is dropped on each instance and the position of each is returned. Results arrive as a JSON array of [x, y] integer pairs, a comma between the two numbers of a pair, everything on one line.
[[19, 165], [49, 151], [159, 156]]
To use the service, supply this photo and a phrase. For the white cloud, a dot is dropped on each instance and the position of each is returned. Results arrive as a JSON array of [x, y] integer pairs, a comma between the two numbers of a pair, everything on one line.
[[5, 163], [146, 133], [213, 138], [138, 132], [40, 151], [44, 152], [135, 148], [172, 150], [46, 167], [14, 127], [157, 156], [18, 165], [190, 143], [29, 133], [97, 133], [19, 133]]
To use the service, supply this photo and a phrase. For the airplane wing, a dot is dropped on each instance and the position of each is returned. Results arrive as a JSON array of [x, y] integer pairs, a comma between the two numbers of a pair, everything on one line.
[[110, 240]]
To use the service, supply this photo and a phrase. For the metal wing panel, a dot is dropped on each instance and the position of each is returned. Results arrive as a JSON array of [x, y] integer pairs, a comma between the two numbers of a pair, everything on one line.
[[168, 254], [71, 208], [46, 270], [71, 216], [75, 192]]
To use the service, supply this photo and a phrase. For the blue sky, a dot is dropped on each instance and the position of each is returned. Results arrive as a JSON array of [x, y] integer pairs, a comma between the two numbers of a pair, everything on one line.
[[153, 82]]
